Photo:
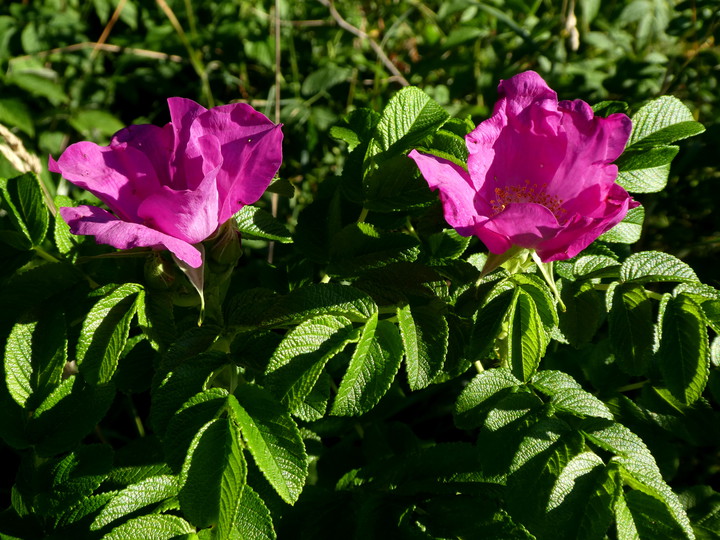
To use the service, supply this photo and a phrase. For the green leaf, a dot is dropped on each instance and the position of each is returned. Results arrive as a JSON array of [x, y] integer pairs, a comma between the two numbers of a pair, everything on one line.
[[707, 297], [424, 334], [545, 451], [14, 112], [447, 244], [273, 439], [581, 501], [254, 521], [283, 187], [684, 352], [213, 477], [64, 239], [152, 527], [637, 467], [396, 185], [361, 246], [356, 128], [662, 121], [541, 294], [472, 404], [567, 395], [181, 384], [584, 311], [628, 231], [526, 340], [23, 198], [105, 332], [372, 369], [632, 331], [409, 117], [69, 413], [644, 516], [646, 171], [590, 266], [258, 308], [136, 496], [95, 123], [606, 108], [488, 325], [187, 421], [83, 509], [35, 354], [74, 478], [655, 266], [39, 83], [255, 222], [324, 78], [302, 354]]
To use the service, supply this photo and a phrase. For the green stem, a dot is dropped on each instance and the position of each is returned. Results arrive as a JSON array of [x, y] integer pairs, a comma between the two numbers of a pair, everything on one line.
[[45, 255], [363, 215], [478, 366], [633, 386], [411, 229], [546, 269]]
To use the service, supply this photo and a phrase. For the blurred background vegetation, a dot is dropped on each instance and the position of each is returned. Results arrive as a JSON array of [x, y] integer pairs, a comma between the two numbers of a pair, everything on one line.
[[81, 69]]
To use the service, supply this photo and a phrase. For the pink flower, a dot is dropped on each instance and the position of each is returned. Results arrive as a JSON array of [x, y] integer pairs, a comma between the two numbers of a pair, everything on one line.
[[539, 173], [171, 187]]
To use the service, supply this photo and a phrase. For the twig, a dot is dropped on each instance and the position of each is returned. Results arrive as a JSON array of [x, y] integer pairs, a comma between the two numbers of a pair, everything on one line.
[[275, 197], [108, 28], [342, 23], [106, 47], [192, 54]]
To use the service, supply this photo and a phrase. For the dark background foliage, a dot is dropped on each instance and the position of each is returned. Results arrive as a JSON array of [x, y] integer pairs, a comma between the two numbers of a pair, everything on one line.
[[58, 86]]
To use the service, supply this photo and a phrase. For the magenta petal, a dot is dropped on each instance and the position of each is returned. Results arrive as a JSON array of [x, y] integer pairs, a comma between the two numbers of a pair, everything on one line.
[[524, 225], [119, 176], [157, 143], [251, 147], [190, 215], [456, 190], [107, 229], [540, 173], [183, 171]]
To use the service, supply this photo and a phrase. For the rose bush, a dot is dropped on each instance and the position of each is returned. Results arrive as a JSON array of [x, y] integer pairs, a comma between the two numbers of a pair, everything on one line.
[[171, 187], [539, 173]]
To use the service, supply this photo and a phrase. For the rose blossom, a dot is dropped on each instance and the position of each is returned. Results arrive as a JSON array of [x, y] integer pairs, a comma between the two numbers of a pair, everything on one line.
[[539, 173], [171, 187]]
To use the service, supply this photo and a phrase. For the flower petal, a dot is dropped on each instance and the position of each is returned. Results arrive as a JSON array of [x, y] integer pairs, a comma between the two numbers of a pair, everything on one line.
[[456, 190], [251, 147], [108, 229], [120, 176], [185, 171], [524, 224], [189, 214], [153, 141], [582, 230]]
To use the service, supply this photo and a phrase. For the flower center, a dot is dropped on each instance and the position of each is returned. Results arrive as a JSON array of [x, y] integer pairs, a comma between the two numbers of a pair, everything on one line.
[[527, 193]]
